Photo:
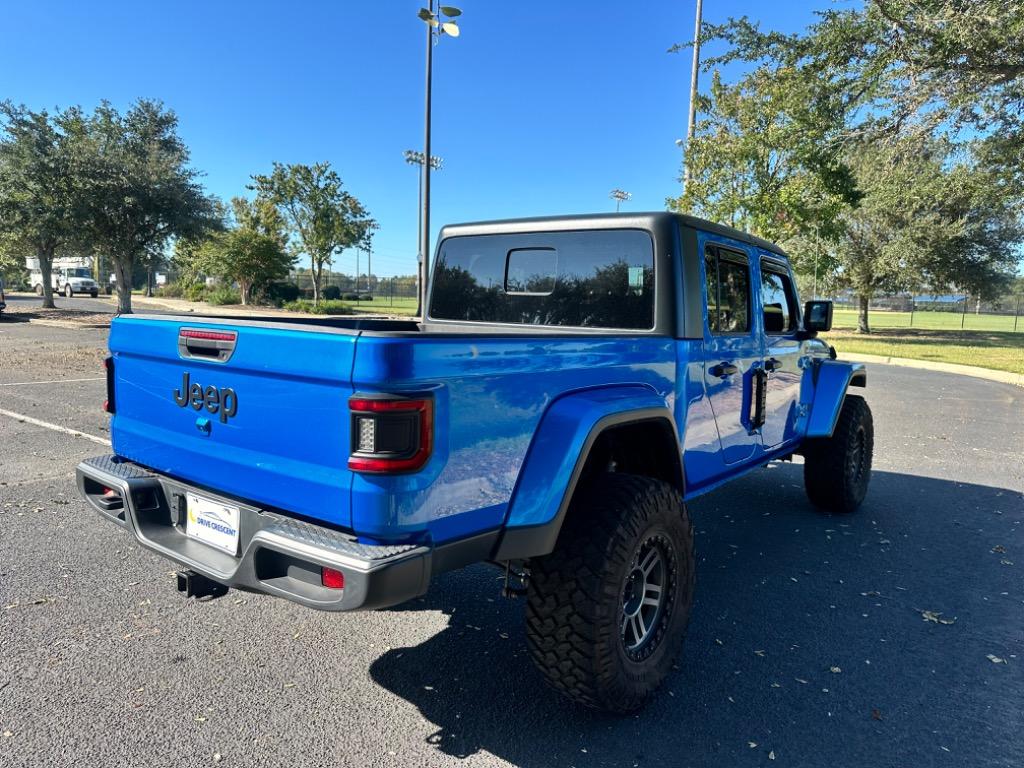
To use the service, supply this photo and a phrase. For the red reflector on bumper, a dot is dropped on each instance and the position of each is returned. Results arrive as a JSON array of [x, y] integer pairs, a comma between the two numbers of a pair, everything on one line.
[[331, 578]]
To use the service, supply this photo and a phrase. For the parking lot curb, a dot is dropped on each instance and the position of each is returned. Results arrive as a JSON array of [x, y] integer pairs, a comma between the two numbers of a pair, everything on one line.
[[1005, 377], [68, 323]]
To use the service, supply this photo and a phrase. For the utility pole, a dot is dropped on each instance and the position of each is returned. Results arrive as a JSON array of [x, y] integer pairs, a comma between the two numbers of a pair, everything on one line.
[[692, 119], [425, 191], [412, 157], [435, 28]]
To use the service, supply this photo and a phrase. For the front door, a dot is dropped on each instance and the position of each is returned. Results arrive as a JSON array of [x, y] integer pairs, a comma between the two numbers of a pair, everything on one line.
[[732, 349], [781, 353]]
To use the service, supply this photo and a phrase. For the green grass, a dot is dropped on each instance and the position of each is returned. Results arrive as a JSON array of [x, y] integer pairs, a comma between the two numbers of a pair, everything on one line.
[[1000, 350], [986, 341], [382, 305], [326, 307], [937, 321], [379, 306]]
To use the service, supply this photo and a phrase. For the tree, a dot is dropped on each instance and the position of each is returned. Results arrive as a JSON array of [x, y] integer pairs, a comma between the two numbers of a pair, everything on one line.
[[245, 256], [917, 107], [139, 188], [322, 218], [760, 160], [924, 220], [910, 67], [12, 262], [260, 215], [897, 227], [39, 194]]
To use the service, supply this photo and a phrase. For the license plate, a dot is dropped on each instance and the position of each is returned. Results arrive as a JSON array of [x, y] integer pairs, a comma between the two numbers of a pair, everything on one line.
[[212, 523]]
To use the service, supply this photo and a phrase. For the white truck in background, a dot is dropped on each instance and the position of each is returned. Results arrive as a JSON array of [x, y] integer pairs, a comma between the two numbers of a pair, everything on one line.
[[70, 275]]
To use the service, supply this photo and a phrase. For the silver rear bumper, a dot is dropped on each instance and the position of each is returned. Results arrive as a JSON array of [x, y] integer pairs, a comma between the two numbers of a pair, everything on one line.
[[279, 555]]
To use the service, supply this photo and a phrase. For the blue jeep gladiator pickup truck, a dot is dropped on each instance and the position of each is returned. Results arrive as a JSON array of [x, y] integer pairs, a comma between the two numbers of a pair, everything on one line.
[[573, 383]]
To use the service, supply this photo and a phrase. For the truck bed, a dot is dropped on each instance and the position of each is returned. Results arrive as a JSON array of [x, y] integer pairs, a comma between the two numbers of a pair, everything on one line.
[[286, 444]]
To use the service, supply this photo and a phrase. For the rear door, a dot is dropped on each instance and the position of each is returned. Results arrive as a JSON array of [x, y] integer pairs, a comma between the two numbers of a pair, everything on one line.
[[253, 410], [732, 348], [778, 305]]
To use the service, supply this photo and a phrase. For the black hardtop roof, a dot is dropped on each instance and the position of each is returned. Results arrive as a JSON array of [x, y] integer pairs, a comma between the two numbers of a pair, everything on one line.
[[643, 220]]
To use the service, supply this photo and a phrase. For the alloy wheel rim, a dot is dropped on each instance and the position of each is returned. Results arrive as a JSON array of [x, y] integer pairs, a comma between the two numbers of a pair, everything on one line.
[[647, 594], [856, 466]]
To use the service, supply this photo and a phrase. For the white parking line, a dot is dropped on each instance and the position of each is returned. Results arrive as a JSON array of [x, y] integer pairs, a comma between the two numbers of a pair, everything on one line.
[[54, 427], [51, 381]]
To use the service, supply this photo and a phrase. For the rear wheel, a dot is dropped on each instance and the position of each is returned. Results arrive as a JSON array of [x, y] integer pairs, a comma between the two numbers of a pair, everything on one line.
[[607, 610], [837, 469]]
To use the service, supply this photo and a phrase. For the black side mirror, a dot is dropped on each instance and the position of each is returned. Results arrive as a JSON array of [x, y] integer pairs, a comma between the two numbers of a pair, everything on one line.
[[817, 316]]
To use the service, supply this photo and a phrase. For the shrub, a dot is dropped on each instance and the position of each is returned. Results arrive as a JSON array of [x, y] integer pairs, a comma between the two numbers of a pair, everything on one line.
[[325, 308], [280, 294], [351, 297], [171, 291], [196, 292], [332, 293], [366, 297], [223, 295]]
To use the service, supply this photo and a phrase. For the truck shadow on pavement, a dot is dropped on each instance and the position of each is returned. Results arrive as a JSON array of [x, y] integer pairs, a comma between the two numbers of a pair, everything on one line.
[[809, 643]]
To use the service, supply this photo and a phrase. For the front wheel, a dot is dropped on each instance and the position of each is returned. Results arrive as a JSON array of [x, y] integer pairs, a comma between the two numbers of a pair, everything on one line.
[[68, 291], [837, 469], [39, 290], [608, 609]]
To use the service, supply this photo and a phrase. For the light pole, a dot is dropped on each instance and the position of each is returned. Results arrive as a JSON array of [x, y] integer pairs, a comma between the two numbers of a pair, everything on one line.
[[692, 117], [435, 28], [412, 157], [619, 196]]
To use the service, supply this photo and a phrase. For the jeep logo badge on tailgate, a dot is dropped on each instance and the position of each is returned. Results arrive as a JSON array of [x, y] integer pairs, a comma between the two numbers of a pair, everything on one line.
[[224, 401]]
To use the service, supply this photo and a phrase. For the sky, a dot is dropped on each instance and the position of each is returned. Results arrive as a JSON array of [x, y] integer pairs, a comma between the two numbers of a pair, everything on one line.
[[539, 108]]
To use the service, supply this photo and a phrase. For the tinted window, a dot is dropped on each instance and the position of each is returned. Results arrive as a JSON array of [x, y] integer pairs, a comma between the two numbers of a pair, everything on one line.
[[711, 282], [531, 271], [777, 302], [601, 279], [728, 292]]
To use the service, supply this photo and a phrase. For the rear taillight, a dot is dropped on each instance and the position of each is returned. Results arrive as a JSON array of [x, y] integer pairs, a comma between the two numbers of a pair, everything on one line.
[[390, 434], [108, 365]]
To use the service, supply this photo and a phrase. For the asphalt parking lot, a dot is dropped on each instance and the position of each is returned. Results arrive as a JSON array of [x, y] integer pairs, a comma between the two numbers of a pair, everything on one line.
[[26, 301], [892, 637]]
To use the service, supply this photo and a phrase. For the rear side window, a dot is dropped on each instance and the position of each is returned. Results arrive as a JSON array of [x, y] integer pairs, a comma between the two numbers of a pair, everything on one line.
[[778, 302], [593, 279], [728, 286]]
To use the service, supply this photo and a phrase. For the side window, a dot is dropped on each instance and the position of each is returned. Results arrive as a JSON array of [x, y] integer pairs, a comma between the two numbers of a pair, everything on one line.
[[731, 312], [711, 280], [778, 302]]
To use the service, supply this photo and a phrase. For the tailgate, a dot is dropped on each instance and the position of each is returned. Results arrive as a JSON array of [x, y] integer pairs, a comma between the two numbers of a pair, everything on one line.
[[257, 411]]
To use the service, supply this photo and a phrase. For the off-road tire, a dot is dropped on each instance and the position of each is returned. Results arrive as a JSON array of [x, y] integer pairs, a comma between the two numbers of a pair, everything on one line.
[[576, 618], [837, 469]]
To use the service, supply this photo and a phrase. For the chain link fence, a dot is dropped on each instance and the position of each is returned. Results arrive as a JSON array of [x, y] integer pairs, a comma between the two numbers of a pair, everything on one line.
[[939, 311]]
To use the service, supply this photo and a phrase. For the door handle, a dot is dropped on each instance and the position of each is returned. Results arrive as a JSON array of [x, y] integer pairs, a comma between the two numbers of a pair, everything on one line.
[[771, 364], [723, 370]]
